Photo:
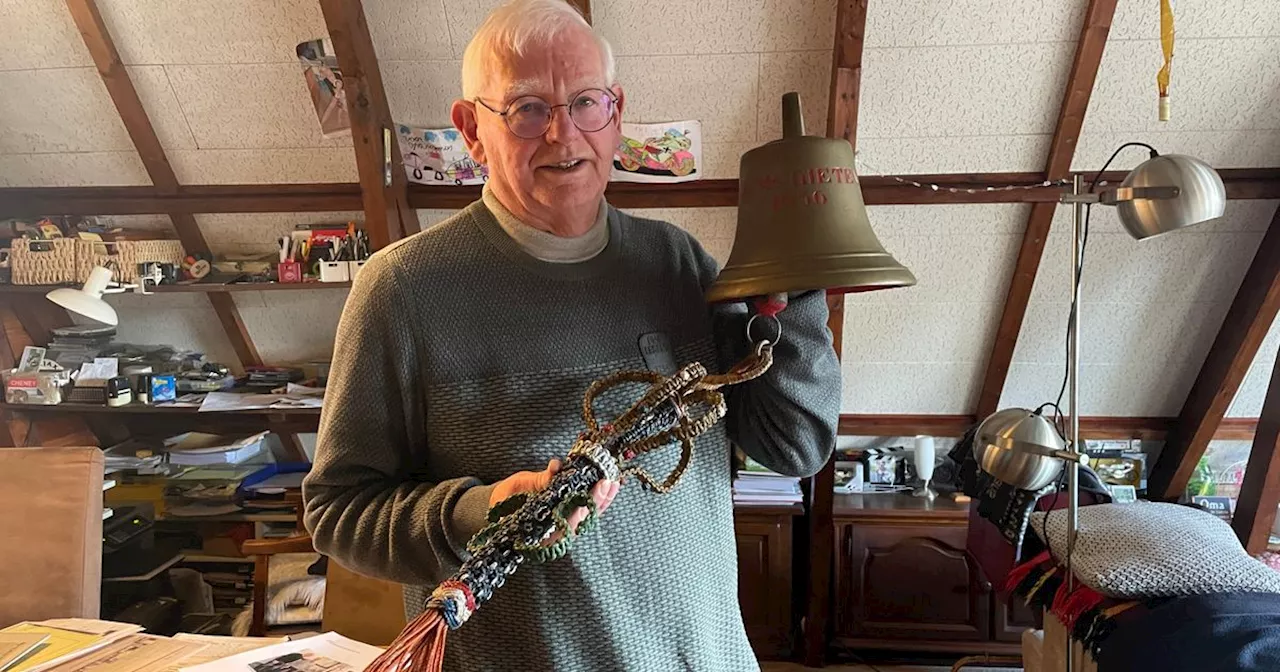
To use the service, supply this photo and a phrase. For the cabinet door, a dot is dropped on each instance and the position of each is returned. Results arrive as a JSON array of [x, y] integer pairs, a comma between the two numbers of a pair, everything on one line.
[[764, 582], [1012, 616], [910, 583]]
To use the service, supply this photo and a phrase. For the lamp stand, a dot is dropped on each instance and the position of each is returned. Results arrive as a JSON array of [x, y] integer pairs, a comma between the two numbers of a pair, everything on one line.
[[1073, 376]]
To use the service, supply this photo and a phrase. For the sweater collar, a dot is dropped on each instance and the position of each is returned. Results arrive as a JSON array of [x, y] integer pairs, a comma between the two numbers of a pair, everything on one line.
[[549, 247]]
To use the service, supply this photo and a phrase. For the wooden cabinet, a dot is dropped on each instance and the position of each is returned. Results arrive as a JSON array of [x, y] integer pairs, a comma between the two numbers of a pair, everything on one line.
[[1010, 618], [909, 583], [764, 536], [903, 580]]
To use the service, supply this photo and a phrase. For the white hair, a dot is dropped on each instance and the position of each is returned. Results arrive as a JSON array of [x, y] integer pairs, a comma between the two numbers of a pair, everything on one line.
[[517, 26]]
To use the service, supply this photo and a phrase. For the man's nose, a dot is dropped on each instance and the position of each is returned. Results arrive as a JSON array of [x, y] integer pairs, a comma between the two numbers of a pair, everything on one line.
[[562, 129]]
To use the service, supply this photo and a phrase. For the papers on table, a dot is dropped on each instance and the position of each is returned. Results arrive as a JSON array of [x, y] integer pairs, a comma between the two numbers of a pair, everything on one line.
[[130, 653], [330, 652], [87, 645], [66, 639], [232, 401], [210, 648], [15, 646]]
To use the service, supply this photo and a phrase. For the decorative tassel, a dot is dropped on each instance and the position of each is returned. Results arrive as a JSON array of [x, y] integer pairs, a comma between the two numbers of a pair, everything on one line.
[[1081, 600], [1017, 574], [1060, 598], [419, 648]]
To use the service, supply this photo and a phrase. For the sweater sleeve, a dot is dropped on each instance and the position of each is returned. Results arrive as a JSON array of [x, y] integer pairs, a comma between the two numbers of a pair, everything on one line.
[[367, 502], [787, 418]]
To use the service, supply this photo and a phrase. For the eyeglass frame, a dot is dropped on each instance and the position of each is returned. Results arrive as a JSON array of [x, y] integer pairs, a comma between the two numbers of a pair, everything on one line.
[[551, 111]]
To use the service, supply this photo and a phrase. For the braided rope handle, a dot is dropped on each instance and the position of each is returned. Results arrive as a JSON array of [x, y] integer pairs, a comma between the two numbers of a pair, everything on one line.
[[677, 408]]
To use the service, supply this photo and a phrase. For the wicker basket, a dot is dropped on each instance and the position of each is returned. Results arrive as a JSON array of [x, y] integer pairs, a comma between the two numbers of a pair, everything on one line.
[[130, 253], [69, 260], [45, 262]]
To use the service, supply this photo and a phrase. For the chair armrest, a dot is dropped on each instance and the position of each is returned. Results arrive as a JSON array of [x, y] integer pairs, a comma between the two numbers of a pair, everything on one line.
[[299, 544]]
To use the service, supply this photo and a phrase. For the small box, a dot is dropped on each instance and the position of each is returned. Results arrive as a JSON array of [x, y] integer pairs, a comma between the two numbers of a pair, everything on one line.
[[289, 271], [163, 388], [42, 388], [353, 268], [334, 271]]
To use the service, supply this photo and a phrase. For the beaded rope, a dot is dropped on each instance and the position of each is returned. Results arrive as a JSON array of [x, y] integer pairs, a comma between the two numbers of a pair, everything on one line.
[[521, 528]]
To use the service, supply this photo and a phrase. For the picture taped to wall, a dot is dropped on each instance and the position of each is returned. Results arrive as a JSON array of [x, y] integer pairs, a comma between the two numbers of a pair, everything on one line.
[[438, 156], [667, 152], [324, 83]]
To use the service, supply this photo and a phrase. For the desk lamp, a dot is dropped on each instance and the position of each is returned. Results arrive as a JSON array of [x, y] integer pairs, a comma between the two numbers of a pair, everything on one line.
[[87, 300], [1022, 447]]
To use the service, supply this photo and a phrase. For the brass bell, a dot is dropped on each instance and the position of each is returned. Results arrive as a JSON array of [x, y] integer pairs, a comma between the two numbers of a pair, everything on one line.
[[802, 223]]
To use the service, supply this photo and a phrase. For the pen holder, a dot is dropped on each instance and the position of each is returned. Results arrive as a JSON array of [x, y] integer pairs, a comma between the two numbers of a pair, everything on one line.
[[334, 271], [289, 271], [353, 268]]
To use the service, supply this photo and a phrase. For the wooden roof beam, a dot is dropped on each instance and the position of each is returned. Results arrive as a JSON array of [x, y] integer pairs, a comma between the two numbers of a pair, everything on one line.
[[1241, 183], [1260, 490], [583, 7], [1251, 315], [1075, 102], [136, 122], [125, 97], [383, 183], [842, 122]]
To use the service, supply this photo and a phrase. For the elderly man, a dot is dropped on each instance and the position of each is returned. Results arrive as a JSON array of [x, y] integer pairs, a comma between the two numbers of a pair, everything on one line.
[[463, 353]]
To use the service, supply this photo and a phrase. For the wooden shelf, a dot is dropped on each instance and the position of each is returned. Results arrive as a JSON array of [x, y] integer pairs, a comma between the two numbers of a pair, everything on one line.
[[203, 288], [1241, 183], [143, 409], [140, 419]]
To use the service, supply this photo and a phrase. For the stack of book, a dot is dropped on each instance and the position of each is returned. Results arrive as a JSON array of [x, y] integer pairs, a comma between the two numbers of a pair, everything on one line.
[[755, 484], [78, 344]]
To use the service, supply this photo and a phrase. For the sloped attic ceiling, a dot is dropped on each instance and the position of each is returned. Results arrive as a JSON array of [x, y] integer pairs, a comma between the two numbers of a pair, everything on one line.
[[962, 86]]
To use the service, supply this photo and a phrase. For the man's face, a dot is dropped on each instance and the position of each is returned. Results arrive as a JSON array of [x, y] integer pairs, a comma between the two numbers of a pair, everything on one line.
[[530, 176]]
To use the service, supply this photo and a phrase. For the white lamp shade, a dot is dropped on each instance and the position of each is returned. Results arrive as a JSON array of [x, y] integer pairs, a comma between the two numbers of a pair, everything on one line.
[[87, 301]]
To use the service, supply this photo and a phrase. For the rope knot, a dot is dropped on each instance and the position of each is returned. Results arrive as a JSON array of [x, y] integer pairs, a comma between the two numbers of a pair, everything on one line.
[[454, 601]]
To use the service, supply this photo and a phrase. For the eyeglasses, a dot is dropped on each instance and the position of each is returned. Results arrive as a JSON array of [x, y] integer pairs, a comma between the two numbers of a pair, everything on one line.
[[529, 117]]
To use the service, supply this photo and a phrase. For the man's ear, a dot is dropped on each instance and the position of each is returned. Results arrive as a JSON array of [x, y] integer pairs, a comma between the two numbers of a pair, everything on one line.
[[617, 107], [463, 115]]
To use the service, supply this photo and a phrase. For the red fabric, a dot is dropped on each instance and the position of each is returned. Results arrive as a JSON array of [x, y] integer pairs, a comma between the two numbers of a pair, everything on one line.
[[1082, 599], [1017, 574], [771, 305]]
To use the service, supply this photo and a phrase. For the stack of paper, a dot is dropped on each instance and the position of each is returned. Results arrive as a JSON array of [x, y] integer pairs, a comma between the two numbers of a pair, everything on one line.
[[198, 449], [756, 484], [16, 646], [63, 640], [329, 652]]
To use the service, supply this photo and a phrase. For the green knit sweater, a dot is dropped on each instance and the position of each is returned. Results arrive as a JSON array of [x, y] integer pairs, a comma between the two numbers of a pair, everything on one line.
[[461, 359]]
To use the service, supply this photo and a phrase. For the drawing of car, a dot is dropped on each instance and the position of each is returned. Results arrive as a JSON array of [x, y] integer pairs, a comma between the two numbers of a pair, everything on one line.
[[462, 169], [419, 161], [667, 154]]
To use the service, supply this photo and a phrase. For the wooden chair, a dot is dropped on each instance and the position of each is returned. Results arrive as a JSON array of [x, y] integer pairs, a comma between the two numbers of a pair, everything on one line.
[[51, 559], [359, 607]]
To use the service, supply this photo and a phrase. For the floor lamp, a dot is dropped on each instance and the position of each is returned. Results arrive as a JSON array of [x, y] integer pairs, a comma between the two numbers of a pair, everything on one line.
[[1025, 449]]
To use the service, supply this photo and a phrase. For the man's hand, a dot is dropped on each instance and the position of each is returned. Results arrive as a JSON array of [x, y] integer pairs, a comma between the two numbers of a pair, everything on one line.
[[532, 481]]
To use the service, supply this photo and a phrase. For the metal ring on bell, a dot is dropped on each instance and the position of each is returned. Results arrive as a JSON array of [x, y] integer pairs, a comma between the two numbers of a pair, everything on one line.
[[767, 340]]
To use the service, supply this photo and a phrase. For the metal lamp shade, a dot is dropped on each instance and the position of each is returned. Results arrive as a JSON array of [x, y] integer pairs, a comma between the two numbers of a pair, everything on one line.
[[1018, 447], [87, 301], [1201, 198], [802, 223]]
